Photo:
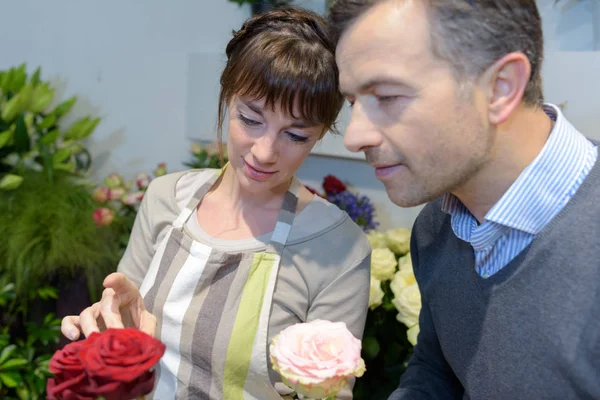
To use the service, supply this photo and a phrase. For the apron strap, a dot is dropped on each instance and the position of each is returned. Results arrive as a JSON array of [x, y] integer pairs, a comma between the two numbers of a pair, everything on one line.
[[285, 219], [191, 206]]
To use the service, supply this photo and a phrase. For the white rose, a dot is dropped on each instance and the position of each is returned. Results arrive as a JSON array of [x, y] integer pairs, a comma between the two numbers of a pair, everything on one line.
[[398, 240], [383, 264], [412, 334], [378, 240], [408, 304], [375, 294], [405, 269]]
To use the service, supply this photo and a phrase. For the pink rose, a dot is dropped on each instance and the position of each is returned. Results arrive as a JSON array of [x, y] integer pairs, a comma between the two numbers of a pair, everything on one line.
[[103, 216], [132, 199], [317, 358], [116, 193], [100, 194], [142, 180]]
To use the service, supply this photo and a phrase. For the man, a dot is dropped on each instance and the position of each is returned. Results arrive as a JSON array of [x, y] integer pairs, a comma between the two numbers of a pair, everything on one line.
[[447, 107]]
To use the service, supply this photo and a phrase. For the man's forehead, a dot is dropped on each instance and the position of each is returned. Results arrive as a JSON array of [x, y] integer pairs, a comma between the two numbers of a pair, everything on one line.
[[382, 44]]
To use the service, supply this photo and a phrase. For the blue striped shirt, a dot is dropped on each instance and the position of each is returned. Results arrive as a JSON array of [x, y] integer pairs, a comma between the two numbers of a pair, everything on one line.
[[538, 194]]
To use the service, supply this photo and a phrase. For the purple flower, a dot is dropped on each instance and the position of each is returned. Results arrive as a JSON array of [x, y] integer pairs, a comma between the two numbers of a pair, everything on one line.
[[359, 208]]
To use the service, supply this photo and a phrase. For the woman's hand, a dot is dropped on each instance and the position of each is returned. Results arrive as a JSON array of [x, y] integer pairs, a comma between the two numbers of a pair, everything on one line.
[[121, 306]]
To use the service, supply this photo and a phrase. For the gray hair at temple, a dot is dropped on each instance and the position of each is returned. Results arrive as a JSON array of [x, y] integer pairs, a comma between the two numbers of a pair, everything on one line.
[[470, 34]]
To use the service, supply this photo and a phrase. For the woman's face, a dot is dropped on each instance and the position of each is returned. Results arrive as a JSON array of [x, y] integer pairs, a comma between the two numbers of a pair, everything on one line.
[[266, 146]]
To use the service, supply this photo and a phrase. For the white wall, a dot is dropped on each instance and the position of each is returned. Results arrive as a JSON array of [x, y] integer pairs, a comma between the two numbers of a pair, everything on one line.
[[126, 59]]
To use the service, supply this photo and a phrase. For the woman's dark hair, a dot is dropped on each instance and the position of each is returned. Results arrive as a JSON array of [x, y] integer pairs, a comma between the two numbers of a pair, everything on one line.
[[286, 57]]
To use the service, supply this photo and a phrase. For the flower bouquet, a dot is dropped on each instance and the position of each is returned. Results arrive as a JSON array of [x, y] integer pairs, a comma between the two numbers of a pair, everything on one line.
[[113, 365], [358, 207], [316, 359], [392, 323]]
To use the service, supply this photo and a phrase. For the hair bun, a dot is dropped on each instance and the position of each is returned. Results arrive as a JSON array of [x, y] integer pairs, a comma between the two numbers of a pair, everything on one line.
[[289, 19]]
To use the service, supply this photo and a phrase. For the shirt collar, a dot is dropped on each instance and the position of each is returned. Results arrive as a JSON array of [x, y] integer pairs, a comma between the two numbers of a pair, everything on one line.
[[528, 203]]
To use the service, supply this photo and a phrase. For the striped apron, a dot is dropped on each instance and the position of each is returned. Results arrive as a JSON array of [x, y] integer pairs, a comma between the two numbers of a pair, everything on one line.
[[213, 310]]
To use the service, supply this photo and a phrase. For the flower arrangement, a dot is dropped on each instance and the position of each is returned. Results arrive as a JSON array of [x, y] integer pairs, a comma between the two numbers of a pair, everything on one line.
[[392, 323], [114, 365], [358, 207], [316, 359], [119, 201]]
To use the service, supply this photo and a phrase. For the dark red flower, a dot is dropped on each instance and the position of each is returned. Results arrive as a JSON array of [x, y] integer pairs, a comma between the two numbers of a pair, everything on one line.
[[118, 363], [69, 379], [333, 185], [115, 365]]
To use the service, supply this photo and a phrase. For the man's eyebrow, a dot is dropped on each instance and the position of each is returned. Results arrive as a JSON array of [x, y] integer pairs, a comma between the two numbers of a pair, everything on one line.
[[376, 81]]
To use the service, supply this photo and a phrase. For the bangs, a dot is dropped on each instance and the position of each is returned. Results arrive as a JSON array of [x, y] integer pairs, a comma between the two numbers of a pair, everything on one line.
[[288, 73]]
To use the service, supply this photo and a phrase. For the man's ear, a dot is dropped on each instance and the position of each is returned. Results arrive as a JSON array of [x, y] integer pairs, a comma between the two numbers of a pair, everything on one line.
[[505, 82]]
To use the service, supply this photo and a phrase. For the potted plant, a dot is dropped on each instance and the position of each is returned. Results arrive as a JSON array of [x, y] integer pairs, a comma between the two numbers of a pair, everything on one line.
[[46, 225]]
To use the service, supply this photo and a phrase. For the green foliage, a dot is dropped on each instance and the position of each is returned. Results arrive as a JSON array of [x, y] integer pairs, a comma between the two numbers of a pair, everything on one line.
[[207, 156], [24, 355], [48, 231], [31, 136]]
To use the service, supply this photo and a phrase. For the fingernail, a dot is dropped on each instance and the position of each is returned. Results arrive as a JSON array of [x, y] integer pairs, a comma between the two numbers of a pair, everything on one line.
[[72, 334]]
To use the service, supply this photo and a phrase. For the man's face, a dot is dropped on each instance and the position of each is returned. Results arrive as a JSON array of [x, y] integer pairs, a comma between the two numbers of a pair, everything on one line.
[[424, 134]]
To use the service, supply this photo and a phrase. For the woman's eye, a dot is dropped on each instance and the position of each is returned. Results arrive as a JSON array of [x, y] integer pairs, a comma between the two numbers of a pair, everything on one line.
[[386, 99], [248, 121], [297, 138]]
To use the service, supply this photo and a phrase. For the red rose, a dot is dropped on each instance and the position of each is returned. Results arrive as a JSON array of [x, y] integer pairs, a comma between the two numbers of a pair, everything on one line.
[[333, 185], [115, 365], [118, 363], [69, 379]]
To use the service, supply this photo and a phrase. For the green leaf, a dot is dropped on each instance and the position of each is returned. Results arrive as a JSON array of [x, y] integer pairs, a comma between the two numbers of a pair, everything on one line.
[[10, 182], [7, 352], [46, 293], [13, 363], [19, 78], [41, 98], [10, 379], [64, 107], [3, 75], [35, 78], [22, 140], [8, 288], [11, 109], [50, 137], [7, 80], [82, 128], [371, 347], [48, 121], [5, 138], [76, 129], [68, 167], [60, 156], [23, 393]]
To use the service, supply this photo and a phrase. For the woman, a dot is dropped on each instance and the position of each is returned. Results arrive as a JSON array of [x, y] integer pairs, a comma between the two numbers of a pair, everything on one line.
[[225, 260]]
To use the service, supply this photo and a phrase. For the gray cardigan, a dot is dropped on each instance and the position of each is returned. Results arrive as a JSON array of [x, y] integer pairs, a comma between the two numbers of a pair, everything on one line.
[[530, 331]]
